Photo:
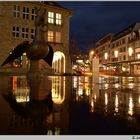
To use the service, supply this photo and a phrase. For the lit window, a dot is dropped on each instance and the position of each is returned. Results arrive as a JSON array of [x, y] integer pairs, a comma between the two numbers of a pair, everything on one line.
[[58, 19], [58, 37], [15, 32], [106, 56], [130, 51], [32, 33], [25, 13], [33, 14], [50, 17], [116, 53], [16, 11], [138, 56], [50, 36], [25, 33]]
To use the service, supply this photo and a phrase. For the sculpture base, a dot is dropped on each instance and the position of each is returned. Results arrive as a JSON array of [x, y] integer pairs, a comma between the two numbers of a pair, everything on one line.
[[95, 70], [39, 83], [40, 67]]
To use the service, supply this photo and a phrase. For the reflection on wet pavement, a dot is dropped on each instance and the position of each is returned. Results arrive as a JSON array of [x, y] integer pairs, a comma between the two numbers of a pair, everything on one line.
[[57, 105]]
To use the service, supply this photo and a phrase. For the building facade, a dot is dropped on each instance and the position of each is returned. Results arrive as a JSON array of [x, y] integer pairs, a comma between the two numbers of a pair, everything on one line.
[[122, 51], [17, 25]]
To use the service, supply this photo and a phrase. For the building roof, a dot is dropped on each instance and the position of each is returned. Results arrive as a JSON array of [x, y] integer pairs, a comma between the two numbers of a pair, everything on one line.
[[126, 31], [55, 4], [104, 39], [52, 3]]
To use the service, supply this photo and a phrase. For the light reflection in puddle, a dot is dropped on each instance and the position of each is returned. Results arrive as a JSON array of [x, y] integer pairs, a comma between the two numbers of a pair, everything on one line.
[[104, 98]]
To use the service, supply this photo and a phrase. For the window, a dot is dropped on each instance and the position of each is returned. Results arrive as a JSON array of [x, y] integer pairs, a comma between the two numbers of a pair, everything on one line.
[[58, 37], [15, 32], [124, 49], [138, 67], [120, 50], [124, 57], [50, 36], [25, 33], [32, 33], [58, 19], [120, 58], [16, 11], [51, 17], [25, 13], [117, 43], [123, 41], [33, 14]]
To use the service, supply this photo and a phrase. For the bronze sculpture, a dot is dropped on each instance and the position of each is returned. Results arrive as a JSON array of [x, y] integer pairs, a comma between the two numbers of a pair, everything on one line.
[[38, 49]]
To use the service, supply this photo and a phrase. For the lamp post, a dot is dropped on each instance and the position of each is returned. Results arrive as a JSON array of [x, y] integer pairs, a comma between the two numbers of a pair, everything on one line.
[[106, 57], [94, 66], [130, 52], [91, 55]]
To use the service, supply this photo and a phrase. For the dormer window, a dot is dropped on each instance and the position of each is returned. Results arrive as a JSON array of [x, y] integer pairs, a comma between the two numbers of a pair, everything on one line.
[[133, 34]]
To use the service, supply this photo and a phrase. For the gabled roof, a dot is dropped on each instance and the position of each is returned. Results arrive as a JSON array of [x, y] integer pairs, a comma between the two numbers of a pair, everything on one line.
[[126, 31]]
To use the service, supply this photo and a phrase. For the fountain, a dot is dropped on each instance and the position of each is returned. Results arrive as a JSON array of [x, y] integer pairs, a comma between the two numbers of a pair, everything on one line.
[[40, 104]]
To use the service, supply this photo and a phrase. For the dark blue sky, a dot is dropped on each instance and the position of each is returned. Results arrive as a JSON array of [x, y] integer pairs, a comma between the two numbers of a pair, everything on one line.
[[94, 19]]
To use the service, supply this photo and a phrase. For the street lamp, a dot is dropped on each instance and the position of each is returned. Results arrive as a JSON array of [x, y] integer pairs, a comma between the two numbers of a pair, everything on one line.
[[91, 54]]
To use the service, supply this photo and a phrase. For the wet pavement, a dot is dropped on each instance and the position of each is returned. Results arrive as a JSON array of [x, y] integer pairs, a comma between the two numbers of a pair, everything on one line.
[[70, 105]]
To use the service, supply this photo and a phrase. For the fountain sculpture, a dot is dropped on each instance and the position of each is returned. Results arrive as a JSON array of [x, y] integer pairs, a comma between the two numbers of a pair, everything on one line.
[[38, 49]]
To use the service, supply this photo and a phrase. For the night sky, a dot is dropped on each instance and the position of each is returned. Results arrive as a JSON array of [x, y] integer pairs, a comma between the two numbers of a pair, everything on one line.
[[92, 20]]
